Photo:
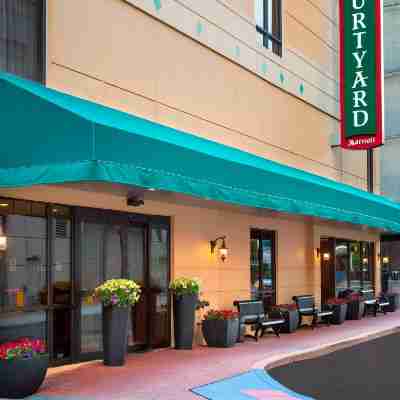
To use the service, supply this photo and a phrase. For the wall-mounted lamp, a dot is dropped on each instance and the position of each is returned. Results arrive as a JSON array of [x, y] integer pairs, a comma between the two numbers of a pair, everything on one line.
[[223, 250], [385, 260], [3, 243], [365, 260], [326, 256]]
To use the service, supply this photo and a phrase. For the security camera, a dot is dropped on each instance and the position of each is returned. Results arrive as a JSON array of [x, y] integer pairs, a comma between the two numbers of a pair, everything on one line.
[[135, 201]]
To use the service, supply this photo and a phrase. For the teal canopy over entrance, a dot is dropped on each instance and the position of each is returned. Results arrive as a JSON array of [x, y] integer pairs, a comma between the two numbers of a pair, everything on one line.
[[48, 137]]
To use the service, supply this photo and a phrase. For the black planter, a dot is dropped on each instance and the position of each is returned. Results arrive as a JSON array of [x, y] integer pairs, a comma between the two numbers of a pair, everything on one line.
[[22, 378], [291, 320], [339, 313], [355, 310], [220, 333], [393, 299], [115, 335], [184, 311]]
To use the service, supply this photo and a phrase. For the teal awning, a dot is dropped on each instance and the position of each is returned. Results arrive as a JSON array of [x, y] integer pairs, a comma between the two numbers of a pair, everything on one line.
[[48, 137]]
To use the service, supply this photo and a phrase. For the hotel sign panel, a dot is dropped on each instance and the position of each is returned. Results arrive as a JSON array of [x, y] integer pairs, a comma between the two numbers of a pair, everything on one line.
[[361, 74]]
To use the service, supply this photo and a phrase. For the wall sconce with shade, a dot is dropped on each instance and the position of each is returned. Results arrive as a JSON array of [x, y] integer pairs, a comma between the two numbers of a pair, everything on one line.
[[385, 260], [3, 237], [3, 243], [223, 250], [365, 260], [326, 256]]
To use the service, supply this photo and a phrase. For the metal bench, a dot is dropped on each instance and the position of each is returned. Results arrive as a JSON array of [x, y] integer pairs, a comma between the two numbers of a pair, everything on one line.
[[374, 304], [251, 312], [306, 307]]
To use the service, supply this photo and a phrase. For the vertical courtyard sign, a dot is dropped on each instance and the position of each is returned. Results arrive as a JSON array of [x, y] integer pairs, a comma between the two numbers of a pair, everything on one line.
[[361, 90]]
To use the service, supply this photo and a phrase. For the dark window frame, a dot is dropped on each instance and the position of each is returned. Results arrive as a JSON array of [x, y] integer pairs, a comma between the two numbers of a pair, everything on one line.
[[273, 33], [41, 49], [75, 215]]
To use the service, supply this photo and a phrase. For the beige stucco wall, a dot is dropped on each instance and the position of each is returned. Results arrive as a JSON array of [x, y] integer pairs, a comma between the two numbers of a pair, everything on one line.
[[194, 224], [114, 53]]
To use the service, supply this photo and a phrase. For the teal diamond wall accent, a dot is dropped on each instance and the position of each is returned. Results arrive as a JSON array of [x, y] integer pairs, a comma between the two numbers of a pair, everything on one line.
[[237, 51], [157, 4], [264, 68], [301, 88], [199, 28], [282, 77]]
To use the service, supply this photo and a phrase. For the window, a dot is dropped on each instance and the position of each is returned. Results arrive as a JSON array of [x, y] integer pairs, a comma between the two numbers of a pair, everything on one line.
[[390, 269], [22, 38], [269, 24], [262, 265], [354, 265]]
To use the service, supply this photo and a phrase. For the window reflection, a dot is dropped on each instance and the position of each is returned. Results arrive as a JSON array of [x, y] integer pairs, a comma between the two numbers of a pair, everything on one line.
[[14, 325], [24, 262], [159, 280], [262, 266], [342, 265], [92, 250], [354, 265]]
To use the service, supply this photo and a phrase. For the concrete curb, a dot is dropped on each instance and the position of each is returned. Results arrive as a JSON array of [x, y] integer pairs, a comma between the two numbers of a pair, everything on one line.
[[317, 351]]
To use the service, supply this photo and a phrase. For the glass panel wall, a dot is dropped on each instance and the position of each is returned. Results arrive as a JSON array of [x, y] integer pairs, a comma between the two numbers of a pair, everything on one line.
[[92, 264], [354, 262], [158, 286], [50, 266], [23, 270], [342, 265], [138, 327], [390, 253]]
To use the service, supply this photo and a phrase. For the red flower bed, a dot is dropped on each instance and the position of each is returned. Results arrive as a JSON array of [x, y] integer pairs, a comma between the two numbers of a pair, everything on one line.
[[22, 348], [336, 301], [221, 314]]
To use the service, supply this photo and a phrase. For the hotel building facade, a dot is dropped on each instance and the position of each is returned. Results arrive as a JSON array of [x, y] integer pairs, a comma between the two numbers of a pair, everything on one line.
[[157, 126]]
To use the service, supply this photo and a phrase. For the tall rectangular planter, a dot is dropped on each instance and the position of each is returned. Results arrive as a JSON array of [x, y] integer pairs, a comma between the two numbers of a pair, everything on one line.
[[355, 310], [220, 333], [339, 313], [184, 315]]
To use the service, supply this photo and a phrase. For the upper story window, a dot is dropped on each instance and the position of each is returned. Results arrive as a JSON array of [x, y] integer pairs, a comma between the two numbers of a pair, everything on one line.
[[269, 23], [22, 38]]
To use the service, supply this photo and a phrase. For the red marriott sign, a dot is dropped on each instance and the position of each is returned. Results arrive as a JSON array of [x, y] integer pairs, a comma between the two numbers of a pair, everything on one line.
[[361, 74]]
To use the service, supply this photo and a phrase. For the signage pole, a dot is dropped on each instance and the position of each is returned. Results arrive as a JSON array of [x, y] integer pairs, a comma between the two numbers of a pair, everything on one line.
[[370, 170]]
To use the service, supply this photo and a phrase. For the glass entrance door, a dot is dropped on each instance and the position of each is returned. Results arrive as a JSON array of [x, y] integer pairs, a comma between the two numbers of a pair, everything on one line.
[[110, 248], [262, 264]]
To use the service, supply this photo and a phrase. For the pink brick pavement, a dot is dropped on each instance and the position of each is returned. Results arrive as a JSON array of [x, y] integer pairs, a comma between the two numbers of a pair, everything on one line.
[[169, 374]]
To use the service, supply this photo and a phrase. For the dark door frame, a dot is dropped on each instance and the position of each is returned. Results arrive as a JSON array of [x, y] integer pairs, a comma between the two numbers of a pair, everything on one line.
[[125, 219], [264, 234]]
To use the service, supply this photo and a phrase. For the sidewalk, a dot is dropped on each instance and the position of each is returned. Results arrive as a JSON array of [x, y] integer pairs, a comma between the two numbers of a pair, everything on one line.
[[169, 374]]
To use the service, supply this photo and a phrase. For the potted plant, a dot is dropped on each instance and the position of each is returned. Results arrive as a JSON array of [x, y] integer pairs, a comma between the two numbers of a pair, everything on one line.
[[220, 328], [339, 308], [290, 313], [185, 299], [117, 297], [23, 367], [355, 304]]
